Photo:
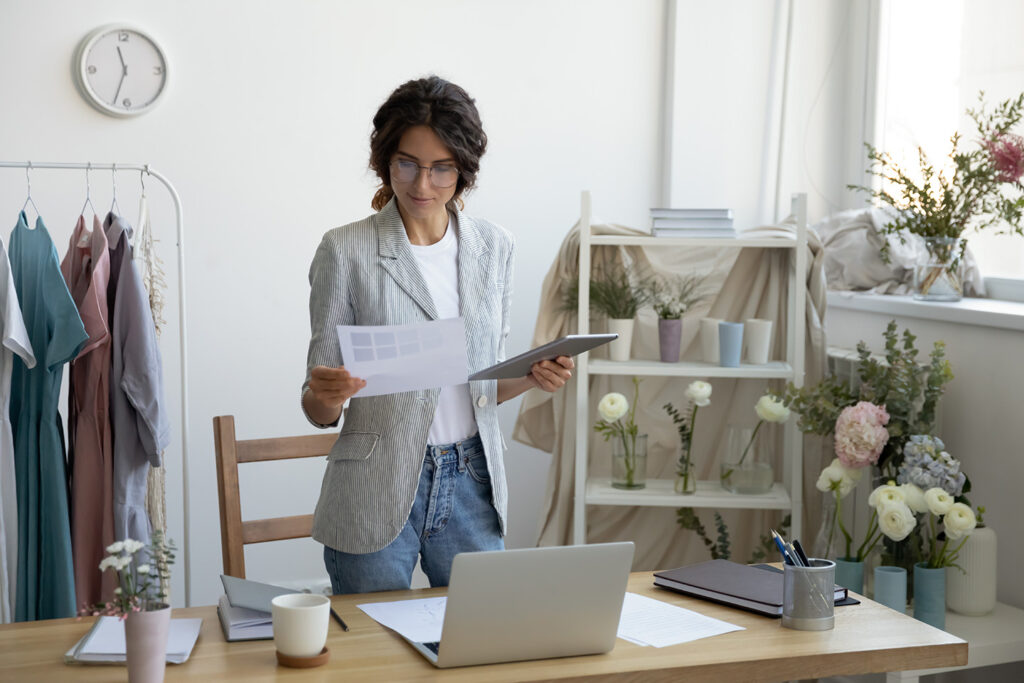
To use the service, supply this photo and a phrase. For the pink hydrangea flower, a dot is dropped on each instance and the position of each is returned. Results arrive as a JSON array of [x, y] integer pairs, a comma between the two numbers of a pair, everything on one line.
[[1007, 152], [861, 434]]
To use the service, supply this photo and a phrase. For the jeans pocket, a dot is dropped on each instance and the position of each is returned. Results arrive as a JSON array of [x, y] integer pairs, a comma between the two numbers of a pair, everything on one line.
[[476, 465]]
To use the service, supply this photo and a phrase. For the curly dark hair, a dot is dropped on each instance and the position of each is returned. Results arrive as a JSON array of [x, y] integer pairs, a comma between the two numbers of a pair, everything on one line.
[[448, 110]]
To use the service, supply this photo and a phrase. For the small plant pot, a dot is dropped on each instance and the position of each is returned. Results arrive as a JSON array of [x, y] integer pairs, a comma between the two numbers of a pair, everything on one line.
[[619, 349], [670, 333]]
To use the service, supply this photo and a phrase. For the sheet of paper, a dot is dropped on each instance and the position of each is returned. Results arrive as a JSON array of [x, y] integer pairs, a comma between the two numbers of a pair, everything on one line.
[[418, 620], [106, 641], [653, 622], [395, 358]]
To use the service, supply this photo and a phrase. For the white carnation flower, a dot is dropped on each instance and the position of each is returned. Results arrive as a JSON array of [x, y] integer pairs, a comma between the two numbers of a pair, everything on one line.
[[886, 494], [115, 548], [108, 562], [914, 497], [896, 520], [613, 406], [122, 562], [131, 546], [143, 568], [959, 521], [771, 409], [939, 502], [699, 392]]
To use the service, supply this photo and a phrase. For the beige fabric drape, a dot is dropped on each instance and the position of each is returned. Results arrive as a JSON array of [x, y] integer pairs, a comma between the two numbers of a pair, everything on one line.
[[747, 283]]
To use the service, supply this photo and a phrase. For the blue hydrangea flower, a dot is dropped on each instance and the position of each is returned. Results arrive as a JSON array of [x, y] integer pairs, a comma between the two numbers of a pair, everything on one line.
[[927, 465]]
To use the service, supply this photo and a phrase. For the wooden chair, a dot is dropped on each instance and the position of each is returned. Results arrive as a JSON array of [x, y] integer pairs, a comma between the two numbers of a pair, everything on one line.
[[234, 533]]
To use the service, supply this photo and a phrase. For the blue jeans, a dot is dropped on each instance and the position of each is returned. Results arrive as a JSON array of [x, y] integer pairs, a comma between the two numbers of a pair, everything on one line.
[[452, 514]]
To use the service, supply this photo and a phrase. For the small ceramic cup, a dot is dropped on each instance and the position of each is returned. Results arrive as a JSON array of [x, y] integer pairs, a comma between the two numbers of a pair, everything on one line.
[[757, 334], [709, 339], [300, 623], [730, 344]]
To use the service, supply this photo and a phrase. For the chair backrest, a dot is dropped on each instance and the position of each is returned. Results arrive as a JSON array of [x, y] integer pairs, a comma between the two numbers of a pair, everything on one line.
[[234, 533]]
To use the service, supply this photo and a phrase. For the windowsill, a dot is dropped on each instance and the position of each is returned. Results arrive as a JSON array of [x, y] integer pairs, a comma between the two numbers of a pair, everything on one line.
[[1007, 315]]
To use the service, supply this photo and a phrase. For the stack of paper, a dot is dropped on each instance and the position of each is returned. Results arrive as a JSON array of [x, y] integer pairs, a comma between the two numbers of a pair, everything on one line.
[[240, 623], [105, 643], [692, 223], [646, 621]]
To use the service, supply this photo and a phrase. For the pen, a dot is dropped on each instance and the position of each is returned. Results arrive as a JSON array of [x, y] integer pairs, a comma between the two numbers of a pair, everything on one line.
[[337, 618], [800, 552], [782, 547]]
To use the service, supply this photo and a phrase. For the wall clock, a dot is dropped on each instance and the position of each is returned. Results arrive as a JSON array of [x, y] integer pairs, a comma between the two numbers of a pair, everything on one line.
[[120, 70]]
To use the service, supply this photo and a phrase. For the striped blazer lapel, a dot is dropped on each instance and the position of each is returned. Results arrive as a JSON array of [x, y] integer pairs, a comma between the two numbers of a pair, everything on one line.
[[473, 276], [397, 259]]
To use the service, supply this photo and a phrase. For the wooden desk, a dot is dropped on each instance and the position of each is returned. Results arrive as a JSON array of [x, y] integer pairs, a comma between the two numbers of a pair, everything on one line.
[[867, 638]]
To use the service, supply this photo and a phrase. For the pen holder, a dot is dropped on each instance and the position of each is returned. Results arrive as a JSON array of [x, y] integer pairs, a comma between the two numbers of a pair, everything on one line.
[[808, 596]]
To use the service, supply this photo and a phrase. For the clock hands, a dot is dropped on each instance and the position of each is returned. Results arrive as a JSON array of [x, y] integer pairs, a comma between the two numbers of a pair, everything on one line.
[[124, 72]]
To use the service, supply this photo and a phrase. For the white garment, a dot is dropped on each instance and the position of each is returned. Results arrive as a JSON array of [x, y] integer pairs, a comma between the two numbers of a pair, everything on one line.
[[439, 264], [15, 341]]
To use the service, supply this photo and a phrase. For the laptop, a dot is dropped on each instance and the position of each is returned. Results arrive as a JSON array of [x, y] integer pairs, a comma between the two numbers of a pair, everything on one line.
[[533, 603]]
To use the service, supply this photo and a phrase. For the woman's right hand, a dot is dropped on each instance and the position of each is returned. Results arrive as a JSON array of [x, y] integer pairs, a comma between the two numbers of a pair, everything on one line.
[[331, 387]]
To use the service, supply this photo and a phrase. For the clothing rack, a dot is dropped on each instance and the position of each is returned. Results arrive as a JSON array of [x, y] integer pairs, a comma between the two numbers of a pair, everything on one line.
[[28, 166]]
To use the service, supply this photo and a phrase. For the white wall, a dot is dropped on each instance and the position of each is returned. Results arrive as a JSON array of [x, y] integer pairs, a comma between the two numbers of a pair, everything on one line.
[[265, 134]]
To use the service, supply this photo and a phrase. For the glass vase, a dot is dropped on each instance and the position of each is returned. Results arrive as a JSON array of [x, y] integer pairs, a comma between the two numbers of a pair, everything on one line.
[[741, 470], [938, 272], [686, 479], [629, 462]]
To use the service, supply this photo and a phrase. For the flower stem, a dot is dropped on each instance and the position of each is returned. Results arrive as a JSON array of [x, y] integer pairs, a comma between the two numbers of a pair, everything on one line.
[[842, 527]]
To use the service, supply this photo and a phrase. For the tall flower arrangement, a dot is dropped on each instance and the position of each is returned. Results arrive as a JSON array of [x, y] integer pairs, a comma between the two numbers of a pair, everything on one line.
[[143, 575], [612, 408], [699, 395]]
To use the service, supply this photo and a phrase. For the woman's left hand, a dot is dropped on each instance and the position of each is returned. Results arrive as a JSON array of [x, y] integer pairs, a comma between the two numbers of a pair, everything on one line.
[[551, 375]]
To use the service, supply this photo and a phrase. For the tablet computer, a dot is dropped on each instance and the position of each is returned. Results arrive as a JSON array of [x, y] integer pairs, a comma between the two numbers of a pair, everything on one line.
[[519, 366]]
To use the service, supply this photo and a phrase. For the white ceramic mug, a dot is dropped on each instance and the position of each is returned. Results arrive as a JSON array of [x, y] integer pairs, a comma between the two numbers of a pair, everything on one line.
[[709, 339], [300, 623], [758, 338]]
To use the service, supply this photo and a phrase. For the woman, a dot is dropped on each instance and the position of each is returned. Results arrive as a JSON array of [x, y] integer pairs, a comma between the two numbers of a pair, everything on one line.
[[416, 474]]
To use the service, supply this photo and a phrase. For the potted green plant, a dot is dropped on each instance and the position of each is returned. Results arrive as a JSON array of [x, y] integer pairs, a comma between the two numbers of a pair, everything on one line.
[[671, 299], [976, 189], [617, 294]]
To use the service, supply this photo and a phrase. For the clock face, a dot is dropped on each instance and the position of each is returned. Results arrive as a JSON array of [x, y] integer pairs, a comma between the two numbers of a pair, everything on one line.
[[121, 71]]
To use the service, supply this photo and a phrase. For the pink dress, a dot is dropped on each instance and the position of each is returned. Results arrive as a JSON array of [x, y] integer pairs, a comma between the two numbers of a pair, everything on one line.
[[86, 270]]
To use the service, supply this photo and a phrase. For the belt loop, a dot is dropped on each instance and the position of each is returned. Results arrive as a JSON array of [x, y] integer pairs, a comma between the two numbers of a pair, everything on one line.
[[460, 458]]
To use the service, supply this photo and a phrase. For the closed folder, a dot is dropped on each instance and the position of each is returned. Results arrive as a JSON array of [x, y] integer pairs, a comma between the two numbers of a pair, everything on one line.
[[736, 585]]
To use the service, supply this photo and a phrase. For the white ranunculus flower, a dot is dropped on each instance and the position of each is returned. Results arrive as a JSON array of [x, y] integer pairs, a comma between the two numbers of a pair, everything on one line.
[[699, 392], [914, 497], [886, 494], [613, 406], [896, 520], [959, 521], [938, 501], [771, 409], [115, 548], [131, 546], [838, 475], [117, 591]]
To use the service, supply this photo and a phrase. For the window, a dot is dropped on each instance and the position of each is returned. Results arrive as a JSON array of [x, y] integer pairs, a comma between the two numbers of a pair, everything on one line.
[[935, 56]]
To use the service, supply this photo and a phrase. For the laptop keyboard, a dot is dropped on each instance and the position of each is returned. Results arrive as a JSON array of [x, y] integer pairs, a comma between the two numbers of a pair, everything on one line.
[[432, 646]]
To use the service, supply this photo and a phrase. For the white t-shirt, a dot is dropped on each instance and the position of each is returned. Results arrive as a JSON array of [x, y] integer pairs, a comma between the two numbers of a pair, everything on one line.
[[439, 264]]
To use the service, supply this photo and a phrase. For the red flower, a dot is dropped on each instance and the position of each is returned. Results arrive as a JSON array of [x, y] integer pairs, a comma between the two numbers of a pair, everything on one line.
[[1007, 152]]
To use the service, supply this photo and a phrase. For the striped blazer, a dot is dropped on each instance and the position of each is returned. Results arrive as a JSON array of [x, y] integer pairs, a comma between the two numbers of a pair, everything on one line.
[[365, 273]]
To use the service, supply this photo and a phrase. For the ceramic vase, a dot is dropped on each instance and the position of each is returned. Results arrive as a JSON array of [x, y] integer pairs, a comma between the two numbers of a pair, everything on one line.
[[670, 333], [619, 348], [850, 574], [930, 595], [730, 344], [145, 636], [938, 273], [891, 587], [629, 462], [973, 590]]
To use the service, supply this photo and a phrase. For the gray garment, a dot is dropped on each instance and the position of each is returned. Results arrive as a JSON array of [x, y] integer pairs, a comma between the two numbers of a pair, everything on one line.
[[365, 273], [141, 429]]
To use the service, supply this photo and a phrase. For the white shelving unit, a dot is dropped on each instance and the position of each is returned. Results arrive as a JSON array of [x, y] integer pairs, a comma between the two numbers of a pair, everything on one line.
[[785, 495]]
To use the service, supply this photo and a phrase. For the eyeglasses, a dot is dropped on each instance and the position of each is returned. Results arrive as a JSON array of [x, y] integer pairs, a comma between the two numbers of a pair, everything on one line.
[[441, 175]]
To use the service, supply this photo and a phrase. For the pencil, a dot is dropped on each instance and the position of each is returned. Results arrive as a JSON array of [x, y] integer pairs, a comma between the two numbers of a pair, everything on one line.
[[337, 618]]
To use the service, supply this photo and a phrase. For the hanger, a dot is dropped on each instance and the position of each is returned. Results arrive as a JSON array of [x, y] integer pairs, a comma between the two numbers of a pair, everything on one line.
[[113, 177], [142, 178], [28, 200], [88, 191]]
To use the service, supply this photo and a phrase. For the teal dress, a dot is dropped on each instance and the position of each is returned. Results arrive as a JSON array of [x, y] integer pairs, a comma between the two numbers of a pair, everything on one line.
[[46, 585]]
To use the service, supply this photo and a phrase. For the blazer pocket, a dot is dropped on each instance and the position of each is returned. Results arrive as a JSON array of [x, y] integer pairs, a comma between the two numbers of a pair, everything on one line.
[[353, 446]]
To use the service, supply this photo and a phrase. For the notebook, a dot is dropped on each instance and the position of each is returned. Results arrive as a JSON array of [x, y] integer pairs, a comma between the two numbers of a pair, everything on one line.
[[729, 583], [241, 623], [105, 642]]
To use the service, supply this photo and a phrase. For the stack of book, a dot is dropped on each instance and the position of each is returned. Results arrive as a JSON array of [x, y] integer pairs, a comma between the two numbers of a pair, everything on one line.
[[692, 223]]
